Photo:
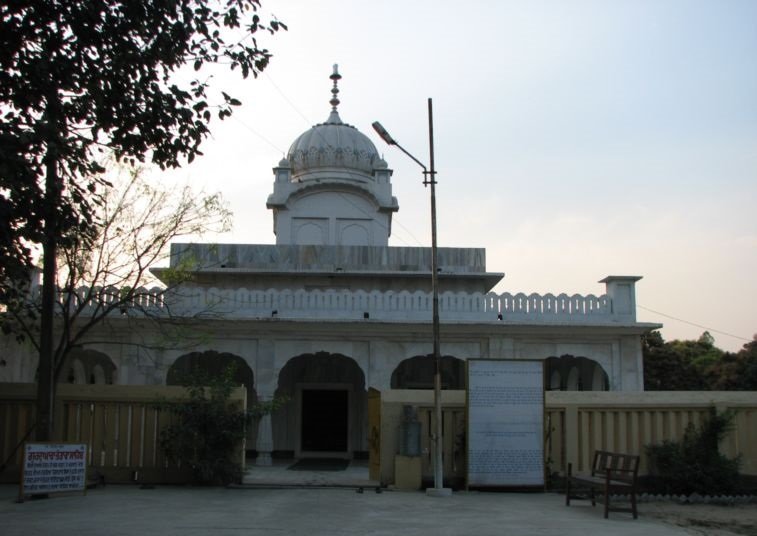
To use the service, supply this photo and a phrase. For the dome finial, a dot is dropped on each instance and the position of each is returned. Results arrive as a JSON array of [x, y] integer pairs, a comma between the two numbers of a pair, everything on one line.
[[335, 76]]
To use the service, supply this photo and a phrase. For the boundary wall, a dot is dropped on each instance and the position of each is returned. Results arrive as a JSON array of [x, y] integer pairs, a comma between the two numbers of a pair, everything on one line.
[[577, 423], [121, 425]]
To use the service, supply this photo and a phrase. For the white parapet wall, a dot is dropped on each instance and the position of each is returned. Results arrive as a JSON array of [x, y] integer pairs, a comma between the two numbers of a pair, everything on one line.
[[617, 305], [346, 305]]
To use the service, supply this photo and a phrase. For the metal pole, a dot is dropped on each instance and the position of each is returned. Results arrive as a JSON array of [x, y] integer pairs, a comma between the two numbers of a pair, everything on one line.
[[429, 178], [438, 437]]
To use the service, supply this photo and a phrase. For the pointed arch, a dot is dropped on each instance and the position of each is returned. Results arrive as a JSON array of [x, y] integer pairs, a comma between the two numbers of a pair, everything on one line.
[[88, 366], [571, 373], [326, 409], [210, 364], [418, 373]]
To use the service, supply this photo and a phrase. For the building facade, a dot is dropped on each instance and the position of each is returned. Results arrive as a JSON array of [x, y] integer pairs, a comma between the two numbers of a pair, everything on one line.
[[331, 310]]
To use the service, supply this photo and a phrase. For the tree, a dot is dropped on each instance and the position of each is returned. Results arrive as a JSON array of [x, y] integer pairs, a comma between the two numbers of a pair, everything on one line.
[[79, 76], [736, 372], [668, 366], [104, 274], [697, 365]]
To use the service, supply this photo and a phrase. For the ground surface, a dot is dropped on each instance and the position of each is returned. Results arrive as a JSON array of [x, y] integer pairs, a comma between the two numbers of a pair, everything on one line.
[[705, 519], [188, 511]]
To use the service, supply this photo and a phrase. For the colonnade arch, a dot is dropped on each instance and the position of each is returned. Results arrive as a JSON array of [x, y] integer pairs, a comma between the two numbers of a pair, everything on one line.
[[418, 373], [86, 366], [325, 413], [570, 373], [211, 364]]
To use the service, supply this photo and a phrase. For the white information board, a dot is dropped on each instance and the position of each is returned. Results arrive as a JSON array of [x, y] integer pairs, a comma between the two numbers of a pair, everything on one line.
[[53, 467], [505, 423]]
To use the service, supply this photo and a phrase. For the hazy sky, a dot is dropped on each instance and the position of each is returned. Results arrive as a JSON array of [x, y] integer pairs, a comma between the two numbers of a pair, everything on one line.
[[574, 139]]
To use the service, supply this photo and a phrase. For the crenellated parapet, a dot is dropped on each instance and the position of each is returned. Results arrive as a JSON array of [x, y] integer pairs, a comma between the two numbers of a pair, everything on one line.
[[400, 306], [395, 306]]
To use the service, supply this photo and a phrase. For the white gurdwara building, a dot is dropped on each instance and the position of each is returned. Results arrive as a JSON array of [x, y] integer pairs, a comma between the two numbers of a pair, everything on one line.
[[332, 310]]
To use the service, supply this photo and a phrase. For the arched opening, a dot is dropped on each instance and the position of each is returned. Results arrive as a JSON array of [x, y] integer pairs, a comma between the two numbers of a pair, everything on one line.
[[98, 375], [573, 383], [570, 373], [84, 366], [418, 373], [554, 381], [76, 373], [599, 379], [211, 364], [326, 412]]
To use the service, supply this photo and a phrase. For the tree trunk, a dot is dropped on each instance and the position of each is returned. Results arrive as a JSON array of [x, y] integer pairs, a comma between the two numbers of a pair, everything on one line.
[[45, 371]]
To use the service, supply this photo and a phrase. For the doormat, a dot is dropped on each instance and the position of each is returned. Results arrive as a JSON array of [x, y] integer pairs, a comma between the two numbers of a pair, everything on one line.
[[319, 464]]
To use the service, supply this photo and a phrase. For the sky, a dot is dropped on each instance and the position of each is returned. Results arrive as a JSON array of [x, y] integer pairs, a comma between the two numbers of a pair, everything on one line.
[[573, 139]]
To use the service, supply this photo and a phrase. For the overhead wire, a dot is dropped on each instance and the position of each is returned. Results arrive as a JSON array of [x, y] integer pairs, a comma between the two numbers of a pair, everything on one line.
[[709, 329]]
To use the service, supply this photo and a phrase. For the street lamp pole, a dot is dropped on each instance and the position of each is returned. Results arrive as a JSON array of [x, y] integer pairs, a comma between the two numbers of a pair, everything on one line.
[[429, 179]]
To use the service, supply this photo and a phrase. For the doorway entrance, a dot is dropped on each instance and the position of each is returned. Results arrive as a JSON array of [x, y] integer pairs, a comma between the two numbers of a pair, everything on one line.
[[327, 413], [325, 421]]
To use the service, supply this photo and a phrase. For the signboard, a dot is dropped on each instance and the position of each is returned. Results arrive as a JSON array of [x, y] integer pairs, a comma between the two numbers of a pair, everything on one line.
[[53, 467], [505, 423]]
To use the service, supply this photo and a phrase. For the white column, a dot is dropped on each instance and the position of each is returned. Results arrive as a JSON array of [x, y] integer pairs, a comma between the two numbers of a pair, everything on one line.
[[264, 443]]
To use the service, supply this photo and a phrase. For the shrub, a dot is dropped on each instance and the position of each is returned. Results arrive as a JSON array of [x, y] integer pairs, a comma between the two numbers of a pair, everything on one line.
[[209, 431], [694, 464]]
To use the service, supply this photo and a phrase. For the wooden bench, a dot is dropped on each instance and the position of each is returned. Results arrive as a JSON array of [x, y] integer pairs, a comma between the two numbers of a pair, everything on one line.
[[611, 473]]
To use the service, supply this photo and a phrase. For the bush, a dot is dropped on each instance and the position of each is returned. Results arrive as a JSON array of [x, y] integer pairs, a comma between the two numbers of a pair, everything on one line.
[[694, 464], [209, 431]]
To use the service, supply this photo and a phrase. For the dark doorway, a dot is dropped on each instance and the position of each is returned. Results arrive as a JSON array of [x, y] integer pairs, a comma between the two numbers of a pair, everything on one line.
[[324, 420]]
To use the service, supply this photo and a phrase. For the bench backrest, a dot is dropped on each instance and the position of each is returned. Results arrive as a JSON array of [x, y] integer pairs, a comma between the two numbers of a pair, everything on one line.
[[622, 466]]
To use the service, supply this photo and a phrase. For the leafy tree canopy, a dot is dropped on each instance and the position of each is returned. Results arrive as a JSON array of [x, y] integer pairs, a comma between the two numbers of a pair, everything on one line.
[[79, 76], [698, 365]]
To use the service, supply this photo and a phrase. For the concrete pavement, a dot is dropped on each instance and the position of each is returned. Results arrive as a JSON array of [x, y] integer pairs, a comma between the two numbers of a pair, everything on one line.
[[188, 511]]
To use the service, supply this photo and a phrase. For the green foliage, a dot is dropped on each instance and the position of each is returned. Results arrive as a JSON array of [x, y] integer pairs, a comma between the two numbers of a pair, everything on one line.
[[78, 78], [208, 430], [669, 366], [736, 372], [208, 433], [694, 464], [697, 365]]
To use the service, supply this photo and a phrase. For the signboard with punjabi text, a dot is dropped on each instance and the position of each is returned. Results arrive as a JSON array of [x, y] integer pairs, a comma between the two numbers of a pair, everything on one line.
[[53, 468], [505, 423]]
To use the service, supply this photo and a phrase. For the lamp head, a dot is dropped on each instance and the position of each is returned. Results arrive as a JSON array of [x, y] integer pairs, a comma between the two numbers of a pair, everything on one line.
[[381, 131]]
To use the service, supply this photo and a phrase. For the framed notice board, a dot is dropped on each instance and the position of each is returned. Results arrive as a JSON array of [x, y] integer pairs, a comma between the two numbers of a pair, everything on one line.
[[53, 468], [505, 421]]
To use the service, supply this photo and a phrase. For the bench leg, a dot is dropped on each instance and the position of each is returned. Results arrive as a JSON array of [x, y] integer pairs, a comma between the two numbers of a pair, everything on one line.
[[607, 499], [567, 485], [633, 504]]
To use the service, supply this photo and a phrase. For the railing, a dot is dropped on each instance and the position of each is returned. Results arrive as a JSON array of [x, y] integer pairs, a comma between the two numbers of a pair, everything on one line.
[[346, 304], [390, 305], [92, 298]]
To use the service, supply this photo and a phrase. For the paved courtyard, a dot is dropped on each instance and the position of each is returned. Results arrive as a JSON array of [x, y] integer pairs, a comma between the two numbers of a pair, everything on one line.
[[187, 511]]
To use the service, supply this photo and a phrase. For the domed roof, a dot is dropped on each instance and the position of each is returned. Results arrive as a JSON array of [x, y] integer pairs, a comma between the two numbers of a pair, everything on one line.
[[332, 144]]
